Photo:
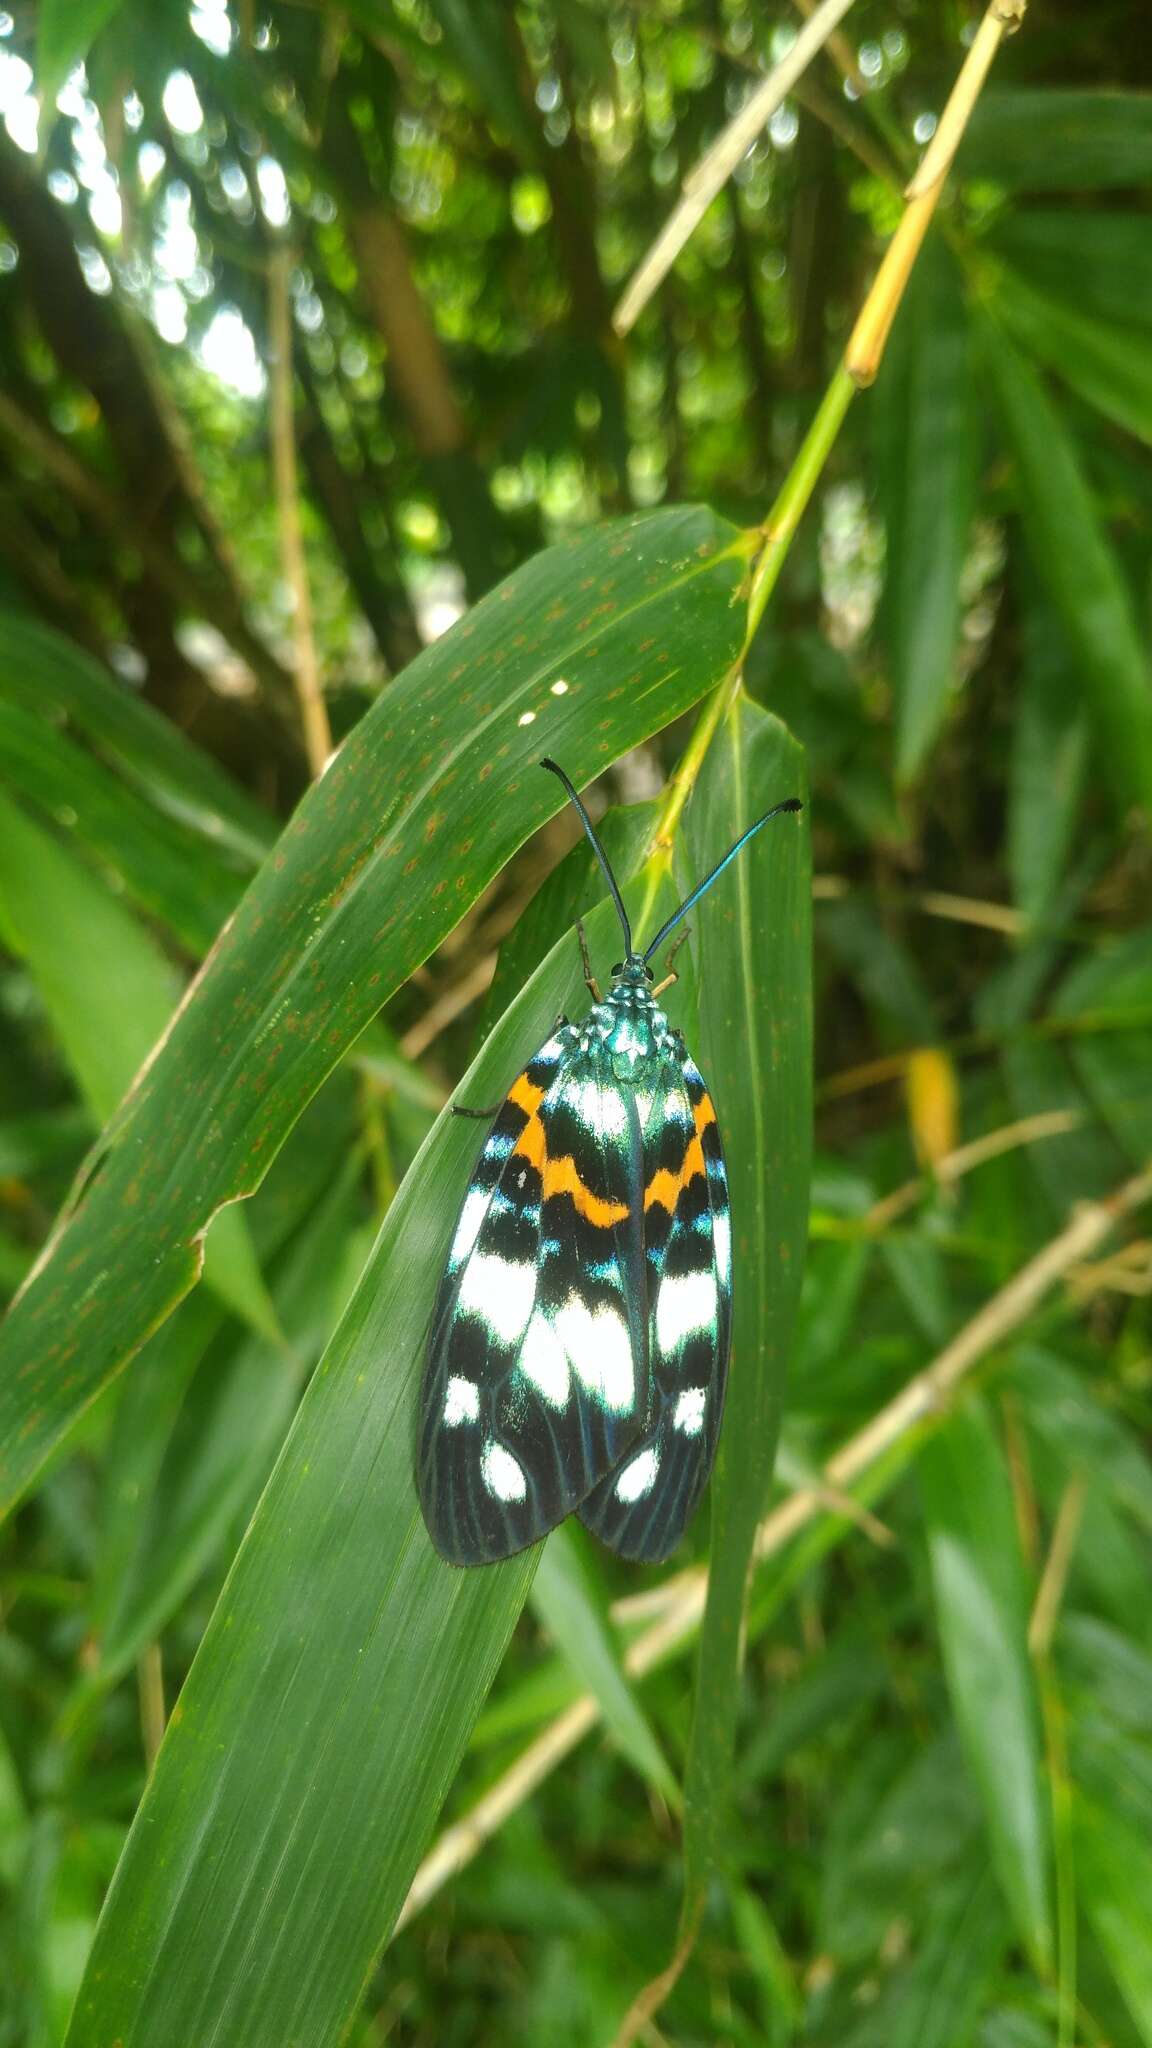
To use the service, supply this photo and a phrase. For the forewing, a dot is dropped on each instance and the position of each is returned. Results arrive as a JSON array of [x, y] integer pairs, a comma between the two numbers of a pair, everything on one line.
[[643, 1507], [536, 1371]]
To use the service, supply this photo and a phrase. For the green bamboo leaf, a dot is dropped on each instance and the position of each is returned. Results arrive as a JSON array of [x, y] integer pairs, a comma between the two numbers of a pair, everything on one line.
[[585, 651], [52, 677], [572, 1606], [1114, 1885], [982, 1613], [904, 1825], [1059, 140], [756, 1055], [1063, 1411], [108, 990], [66, 32], [1104, 255], [1075, 563], [109, 993], [43, 1140], [1107, 362], [1115, 984], [936, 2000], [778, 1994], [1048, 763], [13, 1816], [168, 869], [230, 1428], [475, 33], [154, 1390], [204, 1407], [926, 433], [887, 972]]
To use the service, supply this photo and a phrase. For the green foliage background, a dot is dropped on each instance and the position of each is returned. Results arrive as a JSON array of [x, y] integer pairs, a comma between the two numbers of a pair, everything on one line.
[[914, 1805]]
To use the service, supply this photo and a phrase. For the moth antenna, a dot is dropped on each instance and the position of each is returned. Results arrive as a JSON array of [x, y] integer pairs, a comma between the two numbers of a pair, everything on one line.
[[790, 803], [601, 856]]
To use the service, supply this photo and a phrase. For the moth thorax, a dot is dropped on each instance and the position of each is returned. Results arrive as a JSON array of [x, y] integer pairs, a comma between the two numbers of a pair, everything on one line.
[[634, 1032]]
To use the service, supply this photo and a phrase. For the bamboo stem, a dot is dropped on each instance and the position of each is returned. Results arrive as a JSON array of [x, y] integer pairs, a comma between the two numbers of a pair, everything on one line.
[[282, 424], [869, 339], [717, 164]]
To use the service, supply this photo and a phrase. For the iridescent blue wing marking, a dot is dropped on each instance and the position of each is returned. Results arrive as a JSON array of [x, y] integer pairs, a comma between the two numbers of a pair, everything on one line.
[[642, 1508], [537, 1373]]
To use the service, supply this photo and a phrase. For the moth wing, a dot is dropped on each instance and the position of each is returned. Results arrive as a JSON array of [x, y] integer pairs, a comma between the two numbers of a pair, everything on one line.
[[643, 1507], [537, 1369]]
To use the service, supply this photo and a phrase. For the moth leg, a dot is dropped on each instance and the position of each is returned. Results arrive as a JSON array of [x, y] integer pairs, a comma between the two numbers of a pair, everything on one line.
[[670, 974], [589, 977], [481, 1115]]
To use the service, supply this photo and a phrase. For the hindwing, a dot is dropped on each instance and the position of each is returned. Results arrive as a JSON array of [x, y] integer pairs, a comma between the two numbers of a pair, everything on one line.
[[536, 1379], [642, 1508]]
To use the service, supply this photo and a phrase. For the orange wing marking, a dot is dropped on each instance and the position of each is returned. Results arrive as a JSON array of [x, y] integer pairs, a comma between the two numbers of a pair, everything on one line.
[[562, 1178], [703, 1115], [664, 1186], [532, 1144], [525, 1094]]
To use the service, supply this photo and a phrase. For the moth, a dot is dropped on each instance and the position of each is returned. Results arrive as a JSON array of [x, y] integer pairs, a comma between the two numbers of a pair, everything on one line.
[[578, 1352]]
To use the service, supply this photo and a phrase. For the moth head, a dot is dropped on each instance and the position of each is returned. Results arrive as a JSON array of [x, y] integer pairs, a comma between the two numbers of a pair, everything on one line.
[[635, 969]]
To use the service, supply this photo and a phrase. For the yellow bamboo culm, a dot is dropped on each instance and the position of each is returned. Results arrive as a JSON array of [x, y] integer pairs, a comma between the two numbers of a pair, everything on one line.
[[869, 339], [933, 1100]]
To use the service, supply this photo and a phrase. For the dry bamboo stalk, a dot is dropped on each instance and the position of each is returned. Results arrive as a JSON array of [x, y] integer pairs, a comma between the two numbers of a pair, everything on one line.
[[282, 427], [717, 164]]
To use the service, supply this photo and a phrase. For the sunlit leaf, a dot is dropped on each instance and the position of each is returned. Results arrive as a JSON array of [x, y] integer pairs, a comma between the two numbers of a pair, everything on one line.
[[67, 30]]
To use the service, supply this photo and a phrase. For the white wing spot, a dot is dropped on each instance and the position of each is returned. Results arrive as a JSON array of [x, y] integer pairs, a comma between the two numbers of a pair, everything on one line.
[[461, 1402], [639, 1477], [600, 1351], [599, 1107], [500, 1290], [501, 1473], [689, 1415], [544, 1362], [468, 1229], [686, 1302]]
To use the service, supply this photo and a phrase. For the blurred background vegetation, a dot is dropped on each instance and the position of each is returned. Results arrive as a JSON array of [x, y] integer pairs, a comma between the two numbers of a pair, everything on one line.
[[944, 1808]]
